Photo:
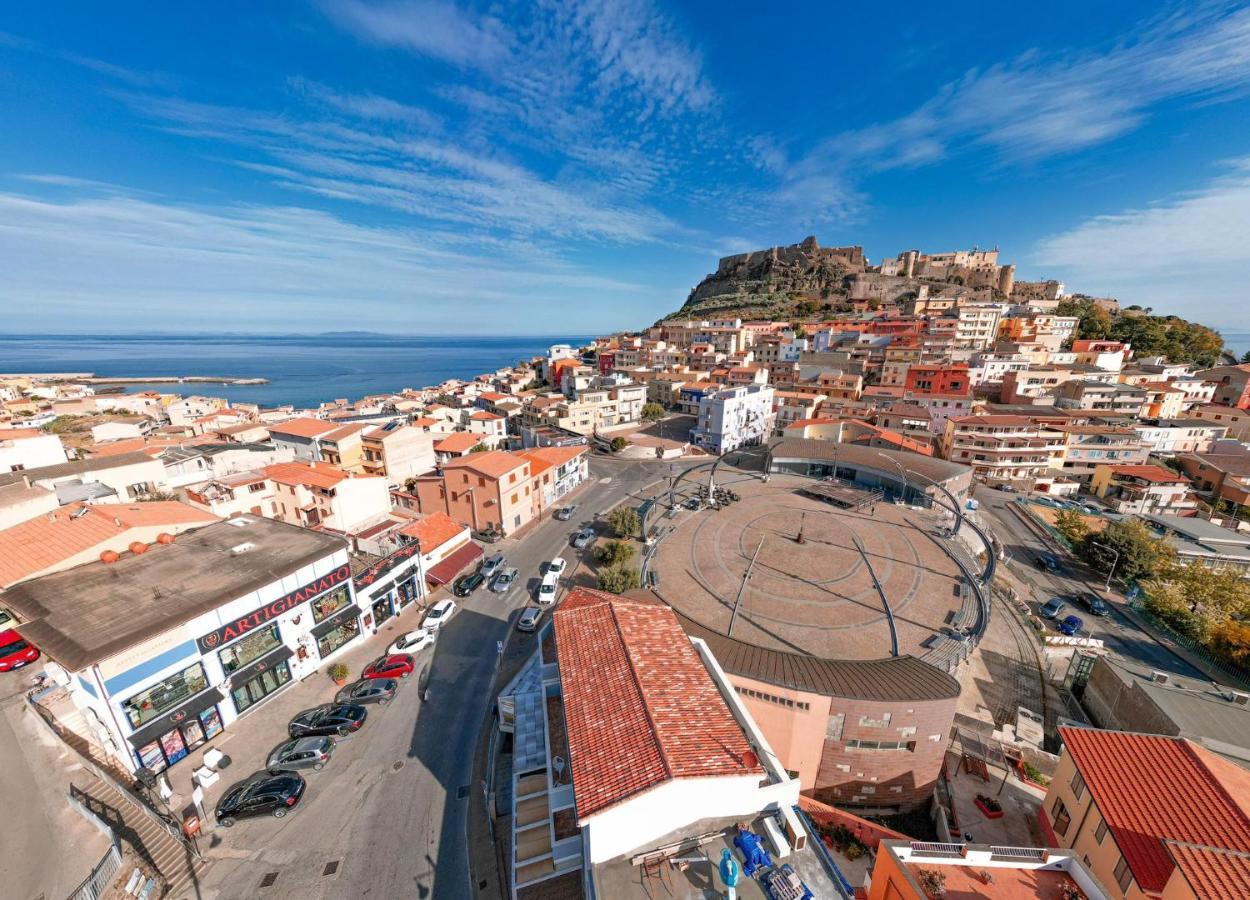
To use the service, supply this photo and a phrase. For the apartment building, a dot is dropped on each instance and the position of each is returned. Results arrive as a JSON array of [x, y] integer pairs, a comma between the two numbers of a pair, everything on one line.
[[906, 870], [398, 452], [1167, 437], [1223, 471], [29, 448], [1106, 355], [794, 406], [491, 491], [1088, 446], [251, 493], [1001, 449], [312, 494], [1235, 421], [1122, 399], [492, 428], [1151, 816], [344, 446], [937, 379], [992, 368], [119, 478], [1142, 489], [301, 436], [974, 326], [734, 417], [555, 471], [1041, 381]]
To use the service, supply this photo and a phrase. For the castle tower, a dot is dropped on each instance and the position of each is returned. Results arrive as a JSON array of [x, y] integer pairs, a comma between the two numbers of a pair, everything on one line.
[[1007, 279], [909, 263]]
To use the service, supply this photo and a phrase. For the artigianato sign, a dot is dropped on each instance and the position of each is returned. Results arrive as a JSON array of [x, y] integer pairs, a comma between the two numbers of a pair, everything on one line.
[[270, 611]]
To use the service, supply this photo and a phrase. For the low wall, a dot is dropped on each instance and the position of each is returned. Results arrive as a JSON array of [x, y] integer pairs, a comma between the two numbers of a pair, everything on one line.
[[870, 834]]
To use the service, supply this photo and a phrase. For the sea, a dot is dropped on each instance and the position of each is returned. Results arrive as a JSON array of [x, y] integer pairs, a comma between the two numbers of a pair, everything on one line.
[[302, 370]]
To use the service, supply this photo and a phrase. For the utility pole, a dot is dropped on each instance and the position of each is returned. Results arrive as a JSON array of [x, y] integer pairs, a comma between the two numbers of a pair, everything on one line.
[[742, 588]]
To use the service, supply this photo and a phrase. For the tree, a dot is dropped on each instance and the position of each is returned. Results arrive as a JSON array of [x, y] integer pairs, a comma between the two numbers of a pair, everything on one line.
[[1231, 640], [618, 444], [1245, 357], [478, 448], [1130, 547], [1071, 526], [806, 308], [618, 579], [652, 412], [614, 553], [625, 521]]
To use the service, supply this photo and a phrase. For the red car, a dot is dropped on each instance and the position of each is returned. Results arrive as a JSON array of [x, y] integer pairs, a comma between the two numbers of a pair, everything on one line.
[[397, 665], [15, 651]]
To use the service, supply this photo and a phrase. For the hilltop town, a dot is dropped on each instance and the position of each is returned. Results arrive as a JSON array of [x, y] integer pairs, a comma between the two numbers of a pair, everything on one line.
[[912, 575]]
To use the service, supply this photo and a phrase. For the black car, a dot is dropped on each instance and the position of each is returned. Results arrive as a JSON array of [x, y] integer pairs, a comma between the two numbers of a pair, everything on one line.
[[468, 584], [260, 794], [1095, 604], [1047, 562], [367, 690], [330, 718]]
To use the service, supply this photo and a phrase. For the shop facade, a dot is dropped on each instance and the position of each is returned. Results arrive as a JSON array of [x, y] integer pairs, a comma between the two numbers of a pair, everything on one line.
[[171, 694], [391, 585]]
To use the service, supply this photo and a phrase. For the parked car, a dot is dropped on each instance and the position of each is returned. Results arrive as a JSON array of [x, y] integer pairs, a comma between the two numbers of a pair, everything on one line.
[[564, 513], [260, 794], [439, 613], [547, 589], [329, 718], [15, 651], [368, 690], [489, 536], [492, 564], [556, 566], [504, 580], [393, 665], [300, 753], [581, 539], [1071, 625], [6, 620], [468, 584], [530, 617], [1047, 562], [413, 641], [1095, 604], [1051, 608]]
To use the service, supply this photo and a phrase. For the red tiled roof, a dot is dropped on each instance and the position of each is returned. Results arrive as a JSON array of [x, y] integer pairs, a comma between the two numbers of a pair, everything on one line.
[[432, 531], [50, 539], [322, 475], [484, 416], [1212, 874], [641, 707], [458, 442], [302, 427], [10, 434], [492, 463], [1152, 789], [1154, 474], [543, 458]]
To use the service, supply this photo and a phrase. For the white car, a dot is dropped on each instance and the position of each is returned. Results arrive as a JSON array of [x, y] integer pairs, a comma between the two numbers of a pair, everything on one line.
[[439, 613], [547, 590], [556, 566], [413, 641]]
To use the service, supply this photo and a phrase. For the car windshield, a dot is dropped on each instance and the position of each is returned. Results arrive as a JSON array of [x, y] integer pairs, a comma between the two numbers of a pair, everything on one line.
[[437, 612], [15, 647]]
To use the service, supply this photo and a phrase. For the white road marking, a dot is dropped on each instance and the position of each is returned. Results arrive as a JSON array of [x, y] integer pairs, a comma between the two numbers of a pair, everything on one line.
[[607, 480]]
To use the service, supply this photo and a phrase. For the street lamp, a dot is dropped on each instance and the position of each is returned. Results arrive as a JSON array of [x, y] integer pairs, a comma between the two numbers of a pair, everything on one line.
[[1114, 562], [902, 473], [956, 511]]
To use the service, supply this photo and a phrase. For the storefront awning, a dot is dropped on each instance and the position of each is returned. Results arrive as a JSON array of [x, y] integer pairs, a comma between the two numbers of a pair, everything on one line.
[[268, 661], [446, 571], [193, 707], [347, 614]]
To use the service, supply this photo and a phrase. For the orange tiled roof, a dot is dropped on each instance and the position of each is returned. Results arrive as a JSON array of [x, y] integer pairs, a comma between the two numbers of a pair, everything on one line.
[[344, 431], [1152, 789], [1154, 474], [458, 442], [484, 416], [1212, 874], [322, 475], [543, 458], [49, 539], [492, 463], [9, 434], [302, 427], [641, 708], [432, 531]]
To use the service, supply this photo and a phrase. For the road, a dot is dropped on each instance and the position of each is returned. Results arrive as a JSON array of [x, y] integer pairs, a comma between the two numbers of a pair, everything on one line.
[[391, 808], [1119, 635]]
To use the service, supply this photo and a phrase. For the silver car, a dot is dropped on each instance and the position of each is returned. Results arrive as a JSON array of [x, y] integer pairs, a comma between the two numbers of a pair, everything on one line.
[[582, 539], [492, 564], [504, 580], [301, 753], [529, 619]]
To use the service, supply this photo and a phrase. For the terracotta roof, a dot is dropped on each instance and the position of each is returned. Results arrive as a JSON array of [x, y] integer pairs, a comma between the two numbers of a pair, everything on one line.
[[47, 540], [322, 475], [432, 531], [302, 427], [640, 705], [1154, 474], [152, 446], [344, 431], [425, 422], [484, 416], [1212, 873], [492, 463], [990, 420], [543, 458], [9, 434], [458, 442], [1151, 789]]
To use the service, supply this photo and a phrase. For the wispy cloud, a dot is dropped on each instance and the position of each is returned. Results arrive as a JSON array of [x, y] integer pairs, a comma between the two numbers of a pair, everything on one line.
[[265, 266], [1191, 246], [365, 106], [432, 28]]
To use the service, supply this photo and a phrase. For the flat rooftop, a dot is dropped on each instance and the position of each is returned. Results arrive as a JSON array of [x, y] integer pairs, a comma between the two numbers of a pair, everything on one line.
[[816, 598], [91, 612]]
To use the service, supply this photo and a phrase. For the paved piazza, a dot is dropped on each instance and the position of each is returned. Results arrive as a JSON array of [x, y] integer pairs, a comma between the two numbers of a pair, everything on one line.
[[816, 597]]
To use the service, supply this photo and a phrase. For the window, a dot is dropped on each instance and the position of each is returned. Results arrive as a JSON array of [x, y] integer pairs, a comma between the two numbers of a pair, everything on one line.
[[1062, 818], [1101, 831], [514, 498], [243, 651], [252, 692], [881, 745], [868, 722], [1123, 875], [481, 482], [1078, 786], [773, 698], [165, 695], [328, 604]]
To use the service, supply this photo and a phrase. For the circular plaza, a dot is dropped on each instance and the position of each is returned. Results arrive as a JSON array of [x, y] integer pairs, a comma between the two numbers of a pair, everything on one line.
[[819, 574]]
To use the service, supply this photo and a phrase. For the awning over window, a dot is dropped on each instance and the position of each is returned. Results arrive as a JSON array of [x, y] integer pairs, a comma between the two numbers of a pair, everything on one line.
[[268, 661], [446, 571], [171, 720], [346, 614]]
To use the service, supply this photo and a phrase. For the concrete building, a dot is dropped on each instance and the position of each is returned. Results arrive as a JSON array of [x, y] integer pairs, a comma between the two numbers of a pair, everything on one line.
[[251, 493], [1002, 449], [301, 436], [319, 494], [108, 479], [902, 868], [1154, 816], [1086, 447], [491, 491], [20, 500], [344, 447], [1139, 489], [164, 649], [22, 449], [730, 418], [1232, 385], [398, 452], [1167, 437]]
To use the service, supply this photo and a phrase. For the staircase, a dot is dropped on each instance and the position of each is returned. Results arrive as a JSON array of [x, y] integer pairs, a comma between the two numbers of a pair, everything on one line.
[[156, 848]]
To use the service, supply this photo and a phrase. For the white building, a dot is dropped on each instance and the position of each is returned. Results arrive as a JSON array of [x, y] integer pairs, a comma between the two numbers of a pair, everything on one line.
[[29, 448], [734, 417]]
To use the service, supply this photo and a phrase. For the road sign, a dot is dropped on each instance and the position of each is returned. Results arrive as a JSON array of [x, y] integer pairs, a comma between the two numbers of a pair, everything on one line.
[[499, 647]]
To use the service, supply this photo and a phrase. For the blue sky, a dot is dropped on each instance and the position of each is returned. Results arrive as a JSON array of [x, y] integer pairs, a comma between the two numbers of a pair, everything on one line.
[[573, 167]]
